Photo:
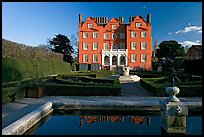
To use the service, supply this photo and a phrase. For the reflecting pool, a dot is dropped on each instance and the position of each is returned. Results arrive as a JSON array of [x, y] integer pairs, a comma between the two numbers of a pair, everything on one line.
[[108, 123]]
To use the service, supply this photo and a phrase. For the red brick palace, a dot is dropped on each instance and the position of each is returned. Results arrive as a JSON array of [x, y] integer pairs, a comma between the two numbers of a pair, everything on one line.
[[108, 44]]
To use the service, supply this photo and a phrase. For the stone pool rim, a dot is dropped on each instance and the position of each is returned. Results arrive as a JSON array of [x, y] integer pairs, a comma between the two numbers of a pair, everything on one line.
[[19, 127]]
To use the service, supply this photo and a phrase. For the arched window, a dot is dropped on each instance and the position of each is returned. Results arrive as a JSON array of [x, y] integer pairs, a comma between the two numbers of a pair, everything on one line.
[[114, 60], [122, 60], [114, 47], [106, 60]]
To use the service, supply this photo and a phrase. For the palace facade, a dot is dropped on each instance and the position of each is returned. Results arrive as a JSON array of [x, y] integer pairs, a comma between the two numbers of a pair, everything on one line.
[[108, 44]]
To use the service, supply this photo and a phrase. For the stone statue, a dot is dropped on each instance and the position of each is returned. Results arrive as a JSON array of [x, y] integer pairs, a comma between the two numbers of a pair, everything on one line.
[[172, 77]]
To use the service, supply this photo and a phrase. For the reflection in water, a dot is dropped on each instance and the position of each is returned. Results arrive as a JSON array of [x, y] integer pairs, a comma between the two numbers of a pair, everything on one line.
[[85, 123], [132, 119]]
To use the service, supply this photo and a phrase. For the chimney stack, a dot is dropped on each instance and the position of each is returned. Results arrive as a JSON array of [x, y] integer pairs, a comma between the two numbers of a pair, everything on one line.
[[148, 18], [96, 19], [101, 20], [106, 18], [122, 19], [130, 19], [80, 19]]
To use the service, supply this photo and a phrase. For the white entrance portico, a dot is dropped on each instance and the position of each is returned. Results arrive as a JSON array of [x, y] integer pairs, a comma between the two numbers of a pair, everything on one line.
[[115, 57]]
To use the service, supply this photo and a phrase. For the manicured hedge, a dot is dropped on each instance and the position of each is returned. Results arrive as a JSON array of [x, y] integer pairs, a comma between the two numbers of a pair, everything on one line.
[[149, 74], [187, 90], [84, 80], [155, 88], [19, 91], [82, 90], [19, 69], [77, 74]]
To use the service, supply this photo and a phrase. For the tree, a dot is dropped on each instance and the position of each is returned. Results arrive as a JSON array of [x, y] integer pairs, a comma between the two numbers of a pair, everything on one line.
[[74, 42], [170, 49], [61, 44]]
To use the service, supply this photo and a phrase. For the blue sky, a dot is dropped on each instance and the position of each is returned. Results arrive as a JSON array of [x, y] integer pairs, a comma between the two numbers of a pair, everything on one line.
[[33, 23]]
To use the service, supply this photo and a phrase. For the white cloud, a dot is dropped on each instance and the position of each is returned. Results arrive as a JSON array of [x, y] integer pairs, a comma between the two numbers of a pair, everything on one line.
[[188, 44], [189, 29]]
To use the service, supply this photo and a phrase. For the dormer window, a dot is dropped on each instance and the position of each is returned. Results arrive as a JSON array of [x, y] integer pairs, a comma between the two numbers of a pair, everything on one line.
[[114, 27], [90, 25], [139, 24]]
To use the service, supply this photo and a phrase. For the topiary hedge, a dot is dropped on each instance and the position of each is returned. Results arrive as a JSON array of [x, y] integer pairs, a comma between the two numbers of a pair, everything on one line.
[[155, 86], [81, 90]]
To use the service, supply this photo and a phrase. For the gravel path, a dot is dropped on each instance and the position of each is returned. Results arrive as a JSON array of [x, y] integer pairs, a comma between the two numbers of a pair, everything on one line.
[[131, 88]]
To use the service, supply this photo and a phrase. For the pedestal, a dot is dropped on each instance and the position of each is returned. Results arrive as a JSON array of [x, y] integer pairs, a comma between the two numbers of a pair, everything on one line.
[[173, 117]]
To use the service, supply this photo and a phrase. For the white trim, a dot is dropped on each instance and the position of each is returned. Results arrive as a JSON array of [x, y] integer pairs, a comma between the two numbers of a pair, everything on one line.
[[132, 34], [95, 44], [132, 57], [142, 60], [143, 34], [143, 45], [104, 45], [114, 26], [90, 25], [105, 34], [84, 58], [85, 44], [138, 24], [85, 35], [95, 58], [95, 34], [132, 46]]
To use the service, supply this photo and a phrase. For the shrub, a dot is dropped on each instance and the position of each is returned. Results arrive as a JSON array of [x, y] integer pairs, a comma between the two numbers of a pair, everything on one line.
[[81, 90], [19, 91], [19, 69], [155, 86]]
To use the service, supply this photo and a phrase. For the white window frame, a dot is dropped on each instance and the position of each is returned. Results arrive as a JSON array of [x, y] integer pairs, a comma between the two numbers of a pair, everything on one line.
[[85, 35], [84, 57], [90, 25], [104, 36], [142, 56], [114, 26], [138, 24], [132, 34], [132, 45], [132, 58], [95, 34], [122, 35], [84, 45], [143, 45], [95, 56], [95, 45], [104, 46], [142, 34], [122, 44]]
